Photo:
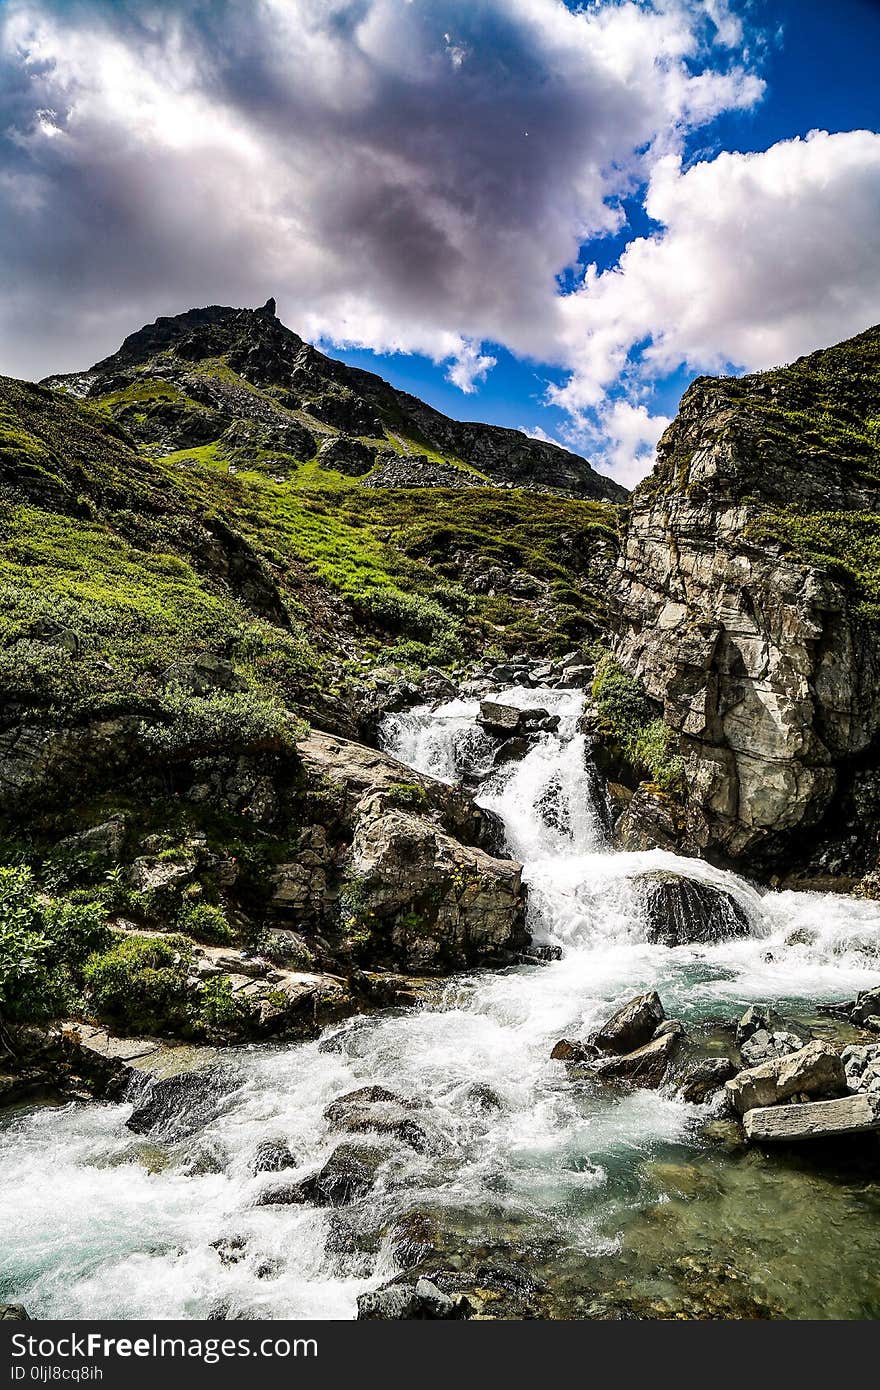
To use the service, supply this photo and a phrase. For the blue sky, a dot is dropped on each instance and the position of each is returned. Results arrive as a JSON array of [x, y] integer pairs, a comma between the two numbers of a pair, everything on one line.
[[542, 214]]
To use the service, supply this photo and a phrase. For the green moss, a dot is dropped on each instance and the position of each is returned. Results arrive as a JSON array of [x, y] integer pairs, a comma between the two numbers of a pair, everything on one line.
[[845, 543]]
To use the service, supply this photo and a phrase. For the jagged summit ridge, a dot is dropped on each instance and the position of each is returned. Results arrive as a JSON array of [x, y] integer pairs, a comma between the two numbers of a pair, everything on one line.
[[186, 380]]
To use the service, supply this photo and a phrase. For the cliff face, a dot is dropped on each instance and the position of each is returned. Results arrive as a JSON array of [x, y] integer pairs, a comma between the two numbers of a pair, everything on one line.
[[748, 587]]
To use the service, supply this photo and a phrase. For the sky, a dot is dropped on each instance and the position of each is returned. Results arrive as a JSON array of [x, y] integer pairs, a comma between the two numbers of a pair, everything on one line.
[[540, 213]]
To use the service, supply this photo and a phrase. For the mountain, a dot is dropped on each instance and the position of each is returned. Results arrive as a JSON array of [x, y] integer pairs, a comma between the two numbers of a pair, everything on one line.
[[224, 559], [749, 609], [240, 381]]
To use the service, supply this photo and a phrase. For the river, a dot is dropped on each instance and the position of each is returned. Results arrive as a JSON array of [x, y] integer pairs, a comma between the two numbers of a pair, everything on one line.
[[596, 1201]]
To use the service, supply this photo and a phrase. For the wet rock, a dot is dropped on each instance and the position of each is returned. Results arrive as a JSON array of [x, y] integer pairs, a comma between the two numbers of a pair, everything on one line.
[[867, 1006], [646, 1066], [569, 1050], [815, 1070], [422, 1300], [500, 719], [682, 911], [348, 1174], [365, 1095], [272, 1156], [703, 1079], [862, 1067], [823, 1119], [372, 1108], [13, 1312], [511, 750], [175, 1107], [631, 1026]]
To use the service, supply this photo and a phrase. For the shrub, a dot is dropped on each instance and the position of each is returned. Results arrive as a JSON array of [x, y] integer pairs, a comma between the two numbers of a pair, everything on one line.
[[218, 1006], [407, 795], [205, 922], [197, 724], [629, 715], [44, 943], [140, 983]]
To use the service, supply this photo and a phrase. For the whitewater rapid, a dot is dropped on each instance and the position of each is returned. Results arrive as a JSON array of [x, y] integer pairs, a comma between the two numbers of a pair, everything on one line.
[[97, 1222]]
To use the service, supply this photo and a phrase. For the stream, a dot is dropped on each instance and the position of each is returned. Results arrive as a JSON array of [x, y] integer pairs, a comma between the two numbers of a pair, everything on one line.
[[571, 1200]]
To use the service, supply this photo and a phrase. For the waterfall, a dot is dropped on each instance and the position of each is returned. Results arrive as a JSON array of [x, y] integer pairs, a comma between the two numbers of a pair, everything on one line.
[[95, 1221]]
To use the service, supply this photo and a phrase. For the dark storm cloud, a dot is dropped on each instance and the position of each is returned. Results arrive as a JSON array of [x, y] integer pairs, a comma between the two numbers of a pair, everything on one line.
[[409, 173]]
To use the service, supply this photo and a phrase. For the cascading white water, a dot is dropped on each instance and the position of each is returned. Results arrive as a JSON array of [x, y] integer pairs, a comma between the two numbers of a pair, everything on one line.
[[97, 1222]]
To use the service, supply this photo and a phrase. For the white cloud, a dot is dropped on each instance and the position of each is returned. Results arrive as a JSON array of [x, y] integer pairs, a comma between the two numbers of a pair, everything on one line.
[[761, 257], [399, 175], [621, 438], [469, 366]]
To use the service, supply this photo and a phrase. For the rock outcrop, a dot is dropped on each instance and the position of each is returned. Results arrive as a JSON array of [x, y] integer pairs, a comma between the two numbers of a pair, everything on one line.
[[747, 597]]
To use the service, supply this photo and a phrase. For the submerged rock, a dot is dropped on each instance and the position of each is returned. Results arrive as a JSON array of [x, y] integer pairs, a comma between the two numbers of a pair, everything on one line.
[[175, 1107], [421, 1300], [683, 911], [348, 1174], [272, 1156]]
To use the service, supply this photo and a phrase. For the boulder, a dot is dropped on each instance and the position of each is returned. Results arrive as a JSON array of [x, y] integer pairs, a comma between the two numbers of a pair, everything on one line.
[[822, 1119], [862, 1067], [13, 1312], [348, 1174], [815, 1070], [422, 1300], [631, 1026], [431, 902], [683, 911], [647, 1065], [702, 1079], [347, 455], [500, 719], [365, 1095], [175, 1107], [511, 750], [373, 1109], [867, 1006]]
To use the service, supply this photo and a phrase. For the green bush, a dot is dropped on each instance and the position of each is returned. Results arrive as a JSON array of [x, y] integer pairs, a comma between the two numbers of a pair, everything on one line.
[[44, 943], [629, 716], [620, 700], [140, 983], [407, 795], [205, 922], [219, 1009], [198, 724]]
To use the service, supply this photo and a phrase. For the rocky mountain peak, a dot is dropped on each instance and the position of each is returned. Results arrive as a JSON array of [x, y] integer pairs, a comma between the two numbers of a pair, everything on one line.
[[210, 376]]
